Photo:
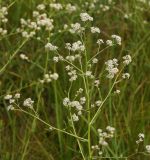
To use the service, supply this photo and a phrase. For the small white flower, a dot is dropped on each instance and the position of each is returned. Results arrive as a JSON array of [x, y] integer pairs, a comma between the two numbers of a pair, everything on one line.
[[77, 46], [85, 17], [94, 60], [82, 100], [112, 68], [54, 76], [148, 148], [100, 153], [99, 130], [75, 117], [127, 59], [66, 101], [88, 73], [96, 83], [110, 129], [35, 14], [141, 138], [8, 97], [104, 7], [28, 103], [95, 30], [17, 95], [109, 42], [70, 8], [50, 47], [117, 91], [125, 75], [24, 57], [55, 59], [79, 113], [100, 41], [96, 147], [10, 107], [141, 135], [76, 28], [56, 6], [76, 104], [70, 58], [41, 7], [103, 143], [12, 101], [117, 39], [98, 103]]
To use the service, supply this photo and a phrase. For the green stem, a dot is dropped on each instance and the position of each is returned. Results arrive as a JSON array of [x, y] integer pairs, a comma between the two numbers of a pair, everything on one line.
[[51, 127]]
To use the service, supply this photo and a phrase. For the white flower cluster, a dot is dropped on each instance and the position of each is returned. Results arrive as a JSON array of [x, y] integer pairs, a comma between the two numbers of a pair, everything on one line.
[[125, 75], [98, 6], [50, 47], [79, 92], [3, 31], [40, 7], [103, 137], [76, 46], [104, 8], [28, 103], [94, 60], [3, 14], [117, 91], [56, 6], [140, 138], [100, 41], [147, 148], [117, 39], [72, 73], [85, 17], [111, 67], [58, 58], [96, 104], [76, 105], [49, 77], [72, 58], [29, 27], [89, 74], [3, 20], [76, 28], [12, 99], [96, 83], [95, 30], [109, 42], [70, 8], [127, 59], [127, 15], [24, 57]]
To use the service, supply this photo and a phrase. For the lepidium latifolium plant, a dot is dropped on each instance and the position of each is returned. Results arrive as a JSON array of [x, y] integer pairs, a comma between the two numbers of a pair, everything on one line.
[[82, 75]]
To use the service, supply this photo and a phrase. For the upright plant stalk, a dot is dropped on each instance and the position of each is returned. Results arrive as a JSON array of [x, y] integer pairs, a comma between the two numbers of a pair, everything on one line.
[[75, 133], [58, 117], [86, 86]]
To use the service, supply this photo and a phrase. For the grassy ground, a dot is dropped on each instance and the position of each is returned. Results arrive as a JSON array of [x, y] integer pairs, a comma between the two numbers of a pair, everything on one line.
[[24, 136]]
